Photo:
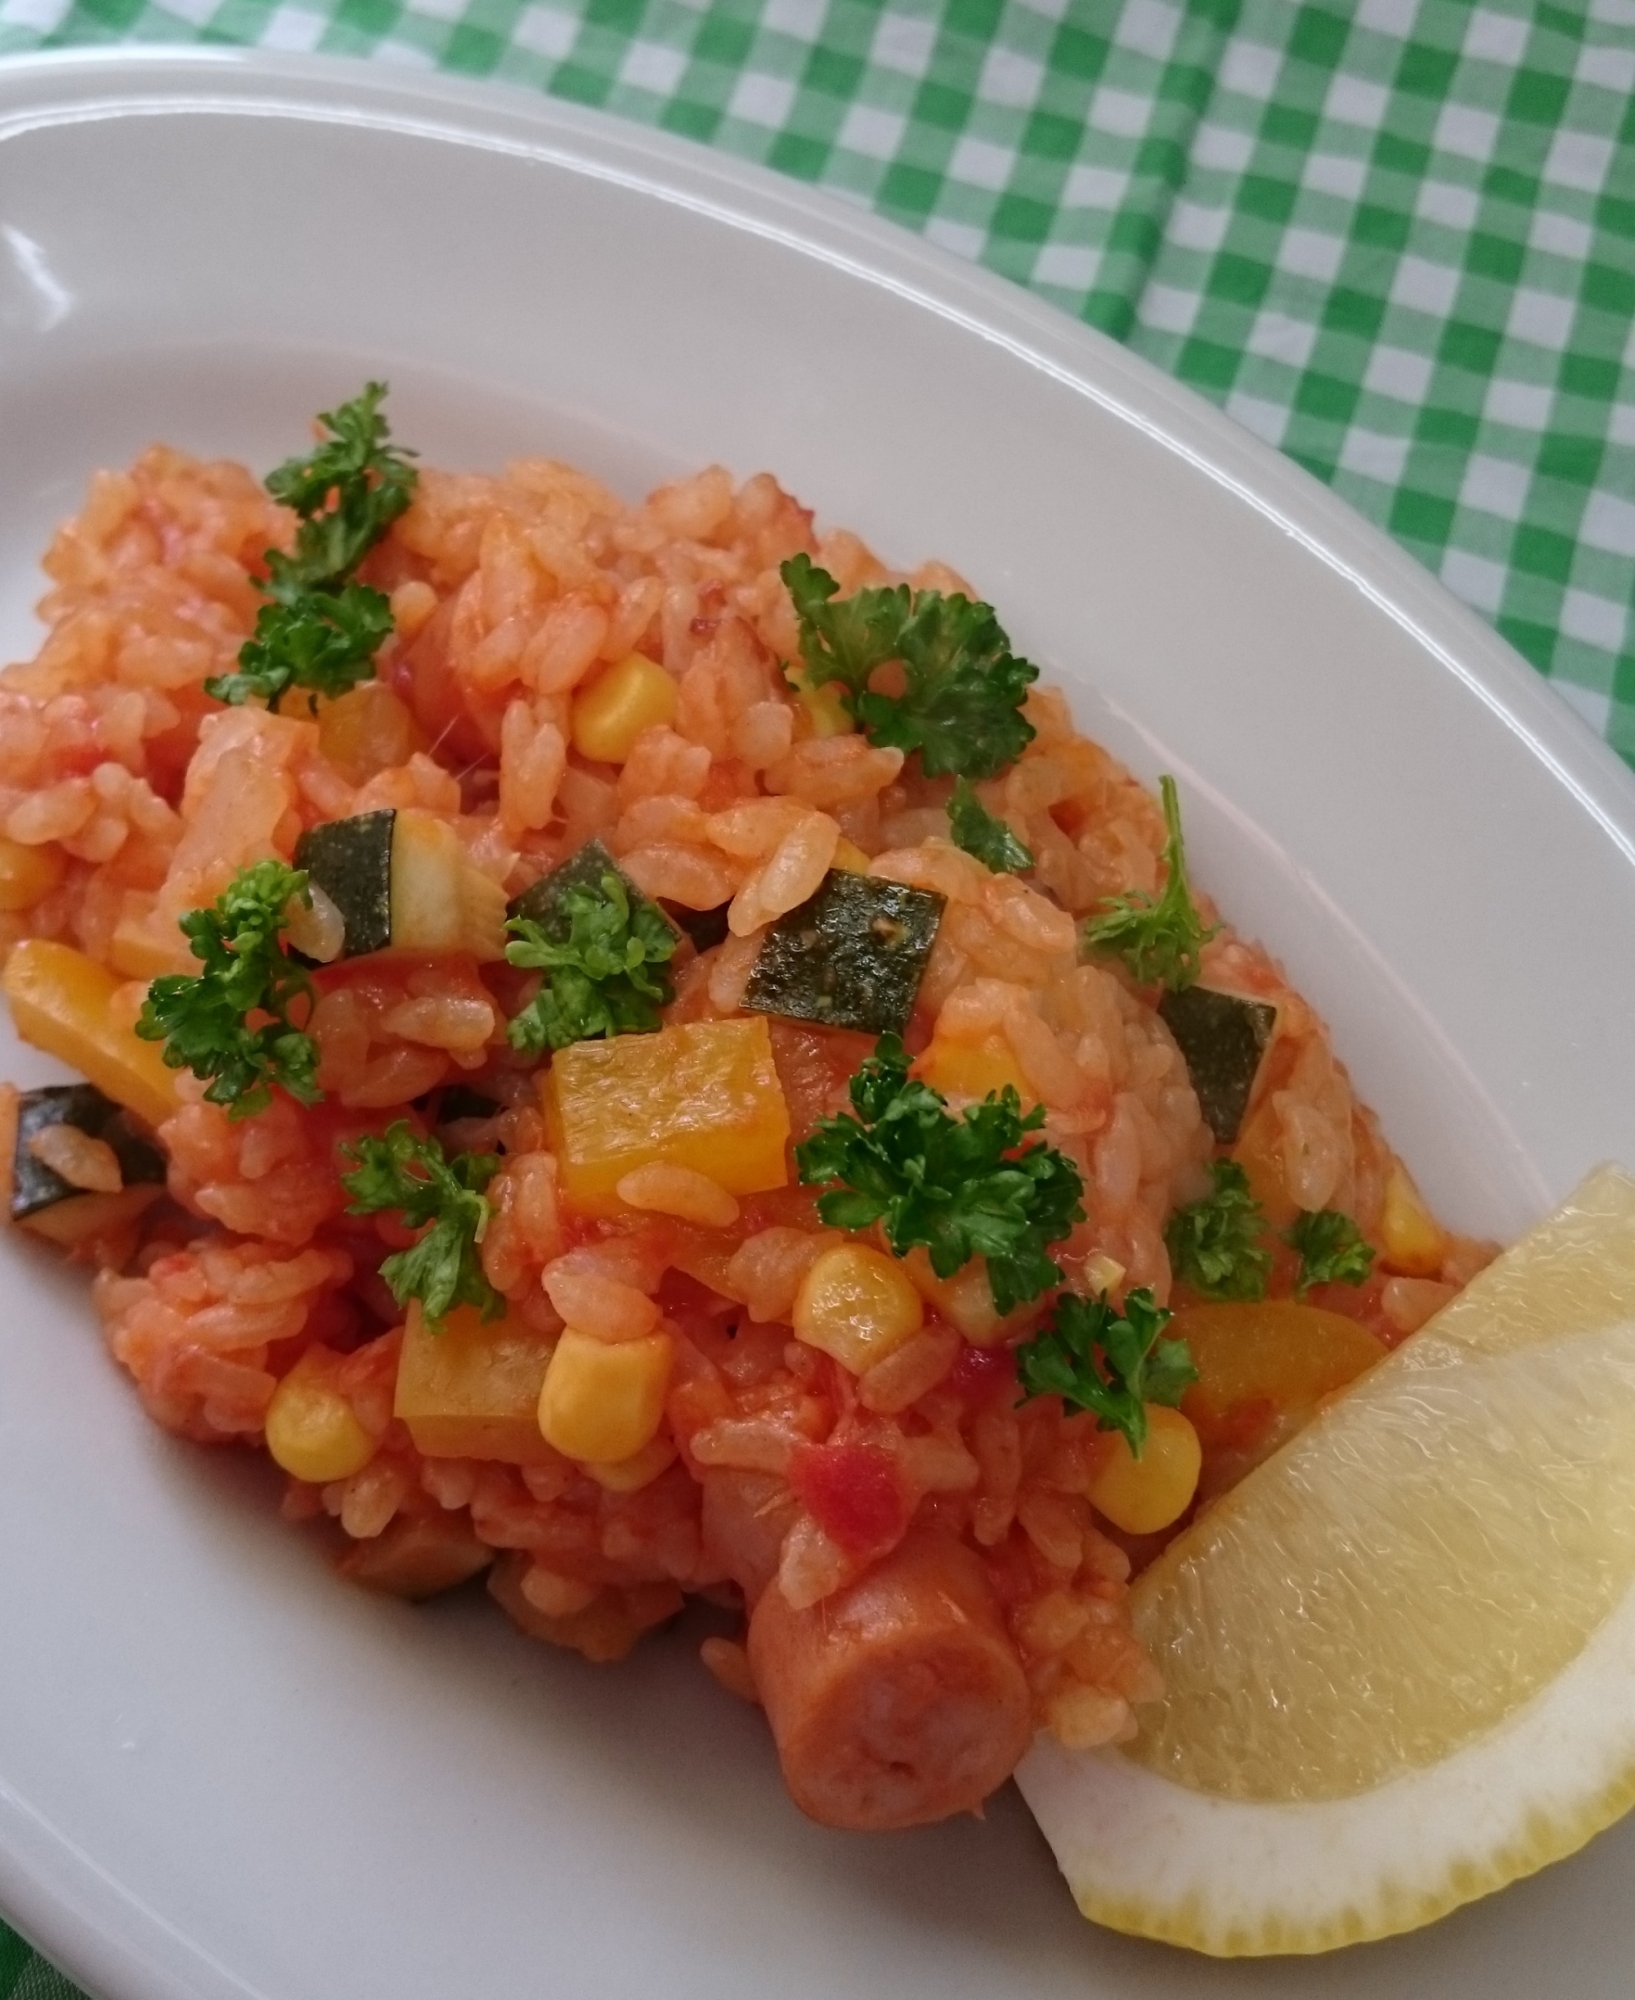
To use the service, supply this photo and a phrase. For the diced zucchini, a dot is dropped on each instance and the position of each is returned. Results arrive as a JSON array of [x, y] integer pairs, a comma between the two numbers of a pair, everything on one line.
[[851, 956], [541, 901], [351, 860], [45, 1204], [1223, 1037], [402, 881], [471, 1389]]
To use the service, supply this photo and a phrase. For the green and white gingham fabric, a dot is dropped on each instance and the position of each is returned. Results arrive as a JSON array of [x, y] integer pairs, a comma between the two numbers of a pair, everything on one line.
[[1396, 238]]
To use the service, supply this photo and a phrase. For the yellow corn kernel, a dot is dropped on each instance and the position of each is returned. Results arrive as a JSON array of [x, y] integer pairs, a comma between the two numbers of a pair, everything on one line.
[[630, 1475], [972, 1069], [603, 1402], [858, 1305], [1142, 1495], [612, 710], [1410, 1235], [312, 1430], [28, 873], [61, 1001], [825, 706], [849, 856]]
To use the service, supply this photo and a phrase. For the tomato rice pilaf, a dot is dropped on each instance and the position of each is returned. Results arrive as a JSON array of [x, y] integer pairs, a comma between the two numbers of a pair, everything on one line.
[[665, 1357]]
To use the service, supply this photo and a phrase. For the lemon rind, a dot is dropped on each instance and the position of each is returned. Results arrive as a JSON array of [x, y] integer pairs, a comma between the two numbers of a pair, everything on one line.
[[1151, 1858]]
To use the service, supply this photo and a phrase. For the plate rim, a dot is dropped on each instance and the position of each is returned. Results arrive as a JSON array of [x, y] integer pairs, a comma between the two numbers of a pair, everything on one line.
[[817, 222], [55, 1894]]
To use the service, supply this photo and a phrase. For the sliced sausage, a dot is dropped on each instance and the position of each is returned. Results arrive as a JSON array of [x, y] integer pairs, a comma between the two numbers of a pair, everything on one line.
[[899, 1700]]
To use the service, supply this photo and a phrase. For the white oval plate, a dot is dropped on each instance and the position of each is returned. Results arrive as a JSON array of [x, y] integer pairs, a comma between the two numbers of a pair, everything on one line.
[[220, 1772]]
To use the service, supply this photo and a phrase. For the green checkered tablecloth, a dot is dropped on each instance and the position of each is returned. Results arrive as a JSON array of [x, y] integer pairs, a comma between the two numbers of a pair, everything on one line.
[[1394, 237]]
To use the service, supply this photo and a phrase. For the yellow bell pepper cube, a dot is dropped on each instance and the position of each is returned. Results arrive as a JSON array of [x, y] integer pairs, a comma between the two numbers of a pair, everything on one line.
[[1266, 1360], [471, 1390], [62, 1002], [972, 1069], [28, 873], [703, 1095]]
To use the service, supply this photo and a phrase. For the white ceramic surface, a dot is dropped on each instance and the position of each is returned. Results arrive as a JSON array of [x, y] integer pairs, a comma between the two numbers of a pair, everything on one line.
[[222, 1774]]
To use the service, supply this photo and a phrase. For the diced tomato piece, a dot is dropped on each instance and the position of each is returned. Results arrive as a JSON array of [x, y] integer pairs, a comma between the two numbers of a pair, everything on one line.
[[692, 1405], [979, 1371], [852, 1492]]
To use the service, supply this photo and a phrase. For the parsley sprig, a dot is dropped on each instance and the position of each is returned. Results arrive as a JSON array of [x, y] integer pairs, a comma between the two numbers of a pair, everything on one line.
[[962, 1187], [1214, 1244], [977, 830], [324, 642], [1159, 938], [431, 1192], [1332, 1249], [203, 1018], [605, 977], [1108, 1362], [319, 630], [348, 493], [961, 705]]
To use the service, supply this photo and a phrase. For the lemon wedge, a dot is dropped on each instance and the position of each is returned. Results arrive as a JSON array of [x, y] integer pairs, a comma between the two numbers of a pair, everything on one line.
[[1400, 1656]]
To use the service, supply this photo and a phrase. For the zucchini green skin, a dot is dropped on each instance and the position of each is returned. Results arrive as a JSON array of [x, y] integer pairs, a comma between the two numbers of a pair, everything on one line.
[[34, 1185], [851, 956], [1223, 1037], [351, 861], [541, 901]]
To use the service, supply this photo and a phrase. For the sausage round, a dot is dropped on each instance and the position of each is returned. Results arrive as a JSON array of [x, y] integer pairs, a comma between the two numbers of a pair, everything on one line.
[[897, 1701]]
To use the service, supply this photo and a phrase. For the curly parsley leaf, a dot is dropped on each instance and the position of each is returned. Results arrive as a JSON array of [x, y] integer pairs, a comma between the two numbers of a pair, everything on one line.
[[1214, 1243], [348, 493], [324, 642], [1158, 937], [961, 705], [962, 1187], [320, 631], [443, 1197], [1110, 1363], [1332, 1249], [977, 830], [604, 977], [203, 1018]]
